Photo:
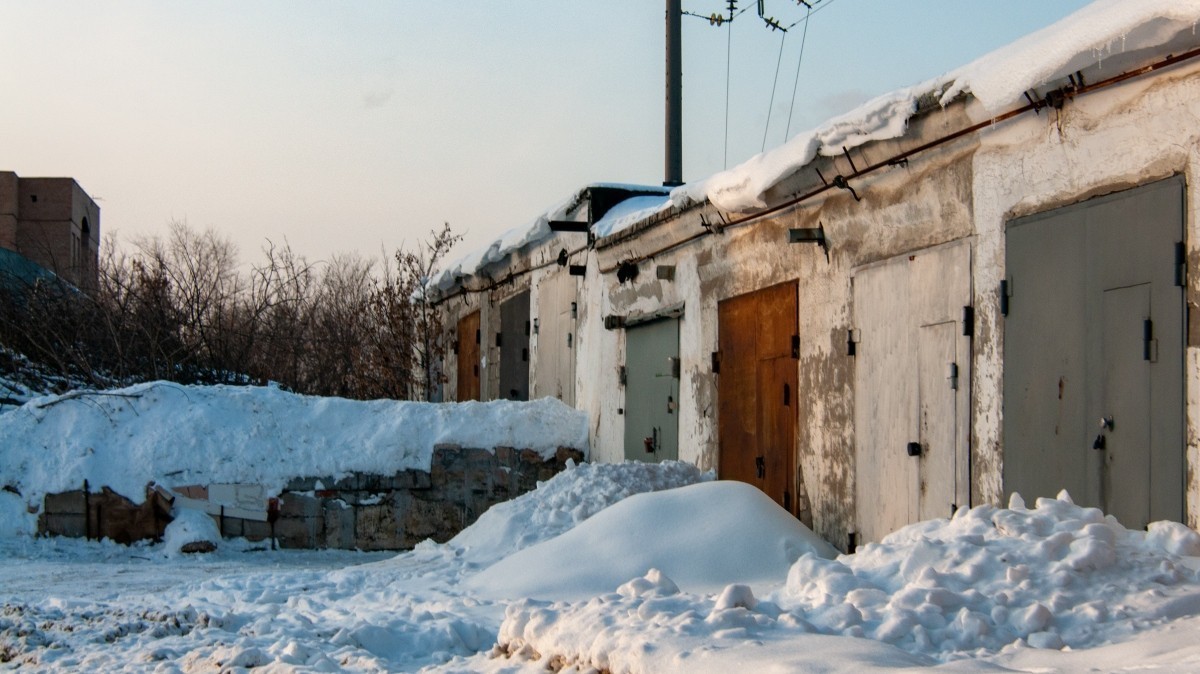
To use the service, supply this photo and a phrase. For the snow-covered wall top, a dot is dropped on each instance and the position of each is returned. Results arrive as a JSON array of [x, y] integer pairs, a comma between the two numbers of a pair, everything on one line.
[[1109, 32], [181, 435], [521, 236]]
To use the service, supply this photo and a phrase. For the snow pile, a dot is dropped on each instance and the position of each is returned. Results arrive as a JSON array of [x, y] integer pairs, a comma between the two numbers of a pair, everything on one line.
[[180, 435], [15, 519], [1116, 32], [986, 582], [562, 502], [744, 538], [190, 526]]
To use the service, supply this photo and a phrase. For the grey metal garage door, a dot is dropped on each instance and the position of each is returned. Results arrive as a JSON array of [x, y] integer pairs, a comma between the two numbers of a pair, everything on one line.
[[1093, 349]]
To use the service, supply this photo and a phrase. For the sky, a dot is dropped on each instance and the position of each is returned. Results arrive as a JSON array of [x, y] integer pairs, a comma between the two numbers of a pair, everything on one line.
[[362, 126]]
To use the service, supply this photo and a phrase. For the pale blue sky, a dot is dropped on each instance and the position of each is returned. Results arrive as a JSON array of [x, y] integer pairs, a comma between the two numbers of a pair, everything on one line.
[[359, 125]]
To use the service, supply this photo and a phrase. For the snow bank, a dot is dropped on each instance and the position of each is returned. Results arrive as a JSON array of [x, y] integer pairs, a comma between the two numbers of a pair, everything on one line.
[[986, 582], [180, 435], [190, 526], [562, 502], [703, 536], [1104, 30]]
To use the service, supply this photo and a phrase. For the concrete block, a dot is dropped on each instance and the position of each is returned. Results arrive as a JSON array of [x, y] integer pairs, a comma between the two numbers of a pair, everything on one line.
[[299, 532], [339, 526], [439, 520], [256, 531], [376, 528], [230, 527], [294, 505]]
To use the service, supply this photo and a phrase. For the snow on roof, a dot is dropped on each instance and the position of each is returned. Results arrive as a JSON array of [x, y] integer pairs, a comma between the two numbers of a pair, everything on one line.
[[179, 435], [1102, 31], [521, 236], [1111, 31], [628, 213]]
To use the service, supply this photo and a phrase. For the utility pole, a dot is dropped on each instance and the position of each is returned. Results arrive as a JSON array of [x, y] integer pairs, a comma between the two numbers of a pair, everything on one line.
[[673, 165]]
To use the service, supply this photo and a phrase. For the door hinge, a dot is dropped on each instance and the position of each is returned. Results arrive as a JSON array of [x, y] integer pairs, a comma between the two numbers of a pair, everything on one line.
[[968, 321], [1005, 293], [787, 395], [952, 375], [796, 346], [1180, 264], [477, 334], [716, 362], [851, 344], [675, 368], [499, 339], [525, 355]]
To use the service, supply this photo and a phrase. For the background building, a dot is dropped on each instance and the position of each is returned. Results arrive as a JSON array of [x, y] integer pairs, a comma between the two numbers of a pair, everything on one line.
[[52, 222]]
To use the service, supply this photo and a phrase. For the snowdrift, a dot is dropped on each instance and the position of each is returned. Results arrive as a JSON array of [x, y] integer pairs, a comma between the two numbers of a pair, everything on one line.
[[982, 584], [703, 536], [564, 501], [174, 434]]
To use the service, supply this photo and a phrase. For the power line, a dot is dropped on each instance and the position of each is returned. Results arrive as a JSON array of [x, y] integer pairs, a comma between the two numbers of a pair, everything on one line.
[[796, 83], [774, 83]]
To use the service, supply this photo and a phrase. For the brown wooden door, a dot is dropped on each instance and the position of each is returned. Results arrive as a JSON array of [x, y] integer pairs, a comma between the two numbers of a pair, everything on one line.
[[756, 390], [468, 357]]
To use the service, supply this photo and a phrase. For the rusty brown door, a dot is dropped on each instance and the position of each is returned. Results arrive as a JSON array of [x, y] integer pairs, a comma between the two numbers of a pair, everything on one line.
[[468, 357], [756, 390]]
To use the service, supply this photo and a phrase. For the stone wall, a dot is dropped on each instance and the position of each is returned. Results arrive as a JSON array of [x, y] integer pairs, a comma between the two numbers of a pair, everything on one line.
[[363, 511]]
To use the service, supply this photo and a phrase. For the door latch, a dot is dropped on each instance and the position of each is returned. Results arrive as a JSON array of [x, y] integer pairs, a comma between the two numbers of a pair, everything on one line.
[[914, 449], [1101, 441], [651, 442]]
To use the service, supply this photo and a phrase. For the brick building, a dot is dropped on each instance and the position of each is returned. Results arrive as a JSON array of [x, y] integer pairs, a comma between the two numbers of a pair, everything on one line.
[[52, 222]]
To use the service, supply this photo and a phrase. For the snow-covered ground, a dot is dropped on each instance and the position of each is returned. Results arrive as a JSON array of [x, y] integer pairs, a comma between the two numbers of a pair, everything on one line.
[[689, 576]]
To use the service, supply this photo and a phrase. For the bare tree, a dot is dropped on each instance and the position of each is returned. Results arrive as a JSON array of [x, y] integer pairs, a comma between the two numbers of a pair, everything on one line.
[[415, 270]]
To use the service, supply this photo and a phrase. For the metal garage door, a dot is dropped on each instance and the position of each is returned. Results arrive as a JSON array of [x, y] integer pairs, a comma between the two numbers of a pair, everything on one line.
[[1093, 351], [652, 391], [912, 388], [756, 390]]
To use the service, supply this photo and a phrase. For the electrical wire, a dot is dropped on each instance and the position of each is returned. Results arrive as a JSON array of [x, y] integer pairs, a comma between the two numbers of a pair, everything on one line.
[[774, 83], [796, 83], [728, 60]]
